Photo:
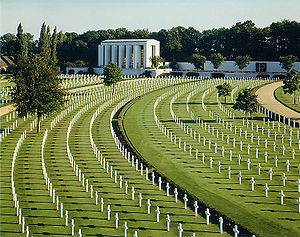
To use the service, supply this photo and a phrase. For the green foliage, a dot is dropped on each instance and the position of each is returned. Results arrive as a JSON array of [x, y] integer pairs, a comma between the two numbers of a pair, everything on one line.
[[21, 45], [37, 88], [179, 43], [224, 90], [78, 63], [287, 62], [217, 59], [246, 101], [242, 61], [44, 43], [8, 44], [54, 42], [292, 84], [112, 75], [156, 60], [198, 60]]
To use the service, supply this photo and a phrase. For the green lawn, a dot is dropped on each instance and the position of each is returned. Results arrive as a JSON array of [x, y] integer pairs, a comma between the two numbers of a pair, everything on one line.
[[263, 216], [287, 99], [41, 214]]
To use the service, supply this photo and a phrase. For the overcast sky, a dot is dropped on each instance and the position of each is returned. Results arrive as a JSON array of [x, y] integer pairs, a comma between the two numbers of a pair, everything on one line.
[[83, 15]]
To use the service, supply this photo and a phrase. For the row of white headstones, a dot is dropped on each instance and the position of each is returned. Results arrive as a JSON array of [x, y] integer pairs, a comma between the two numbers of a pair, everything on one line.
[[105, 164], [135, 162], [193, 134], [52, 191]]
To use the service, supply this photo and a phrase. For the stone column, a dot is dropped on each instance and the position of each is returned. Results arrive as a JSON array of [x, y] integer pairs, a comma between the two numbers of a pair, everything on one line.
[[100, 55], [128, 55], [120, 59], [113, 54]]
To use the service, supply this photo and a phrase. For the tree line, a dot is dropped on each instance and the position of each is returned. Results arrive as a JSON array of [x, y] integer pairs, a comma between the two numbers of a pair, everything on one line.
[[178, 43]]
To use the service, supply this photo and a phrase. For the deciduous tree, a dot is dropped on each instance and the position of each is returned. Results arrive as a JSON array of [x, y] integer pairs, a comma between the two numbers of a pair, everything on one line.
[[246, 101], [224, 90], [198, 60], [156, 60], [242, 61], [37, 90], [112, 75], [287, 62], [292, 84], [217, 59]]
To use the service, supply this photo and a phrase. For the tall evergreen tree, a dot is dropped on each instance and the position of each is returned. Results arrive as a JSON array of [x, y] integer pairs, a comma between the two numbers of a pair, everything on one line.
[[21, 44], [54, 46], [42, 39], [44, 44]]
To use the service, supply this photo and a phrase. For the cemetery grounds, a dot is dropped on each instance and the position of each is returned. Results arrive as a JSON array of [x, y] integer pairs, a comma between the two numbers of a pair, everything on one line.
[[109, 165]]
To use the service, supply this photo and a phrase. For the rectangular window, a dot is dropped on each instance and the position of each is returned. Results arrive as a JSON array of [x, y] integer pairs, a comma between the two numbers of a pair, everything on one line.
[[124, 57]]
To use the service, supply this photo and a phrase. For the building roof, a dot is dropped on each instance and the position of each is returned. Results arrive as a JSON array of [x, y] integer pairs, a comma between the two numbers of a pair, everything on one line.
[[6, 61], [127, 40]]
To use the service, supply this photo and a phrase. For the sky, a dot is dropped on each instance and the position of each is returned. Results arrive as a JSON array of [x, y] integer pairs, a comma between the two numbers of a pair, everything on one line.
[[83, 15]]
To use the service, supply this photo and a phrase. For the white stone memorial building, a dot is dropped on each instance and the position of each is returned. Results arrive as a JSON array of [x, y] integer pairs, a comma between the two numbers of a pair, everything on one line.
[[132, 55]]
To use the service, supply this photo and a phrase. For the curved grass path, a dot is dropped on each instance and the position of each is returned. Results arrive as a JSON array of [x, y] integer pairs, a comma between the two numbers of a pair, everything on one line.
[[227, 196]]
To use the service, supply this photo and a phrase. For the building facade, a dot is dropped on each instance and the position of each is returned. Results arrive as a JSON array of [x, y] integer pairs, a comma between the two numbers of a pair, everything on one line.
[[128, 54]]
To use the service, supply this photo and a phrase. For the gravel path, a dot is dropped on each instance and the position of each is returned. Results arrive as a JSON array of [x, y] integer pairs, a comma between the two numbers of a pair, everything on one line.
[[267, 99]]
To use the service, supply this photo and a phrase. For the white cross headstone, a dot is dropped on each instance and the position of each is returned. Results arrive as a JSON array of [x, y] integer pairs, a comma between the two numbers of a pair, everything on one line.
[[240, 176], [168, 222], [140, 200], [271, 173], [196, 206], [288, 165], [176, 194], [236, 231], [67, 217], [148, 206], [157, 214], [126, 187], [282, 195], [102, 204], [266, 190], [73, 227], [207, 213], [108, 212], [180, 230], [185, 199], [252, 181], [283, 179], [221, 224], [153, 178], [159, 183], [168, 188], [117, 220], [229, 172], [125, 229]]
